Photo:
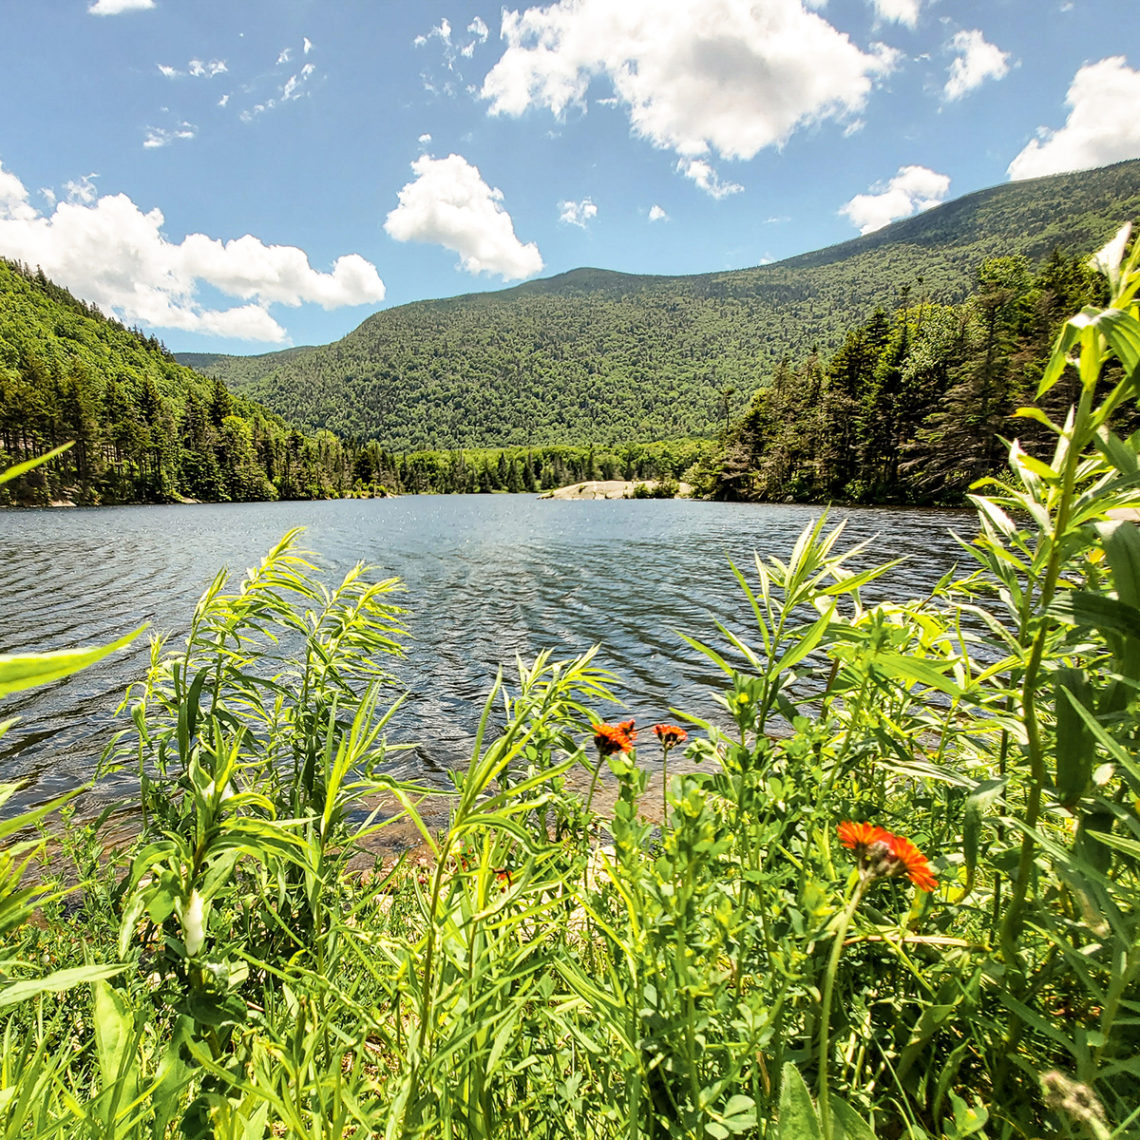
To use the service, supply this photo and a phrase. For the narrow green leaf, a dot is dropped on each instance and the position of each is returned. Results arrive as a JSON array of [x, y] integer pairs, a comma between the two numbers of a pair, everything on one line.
[[56, 983], [27, 670], [1095, 611], [19, 469], [1075, 746]]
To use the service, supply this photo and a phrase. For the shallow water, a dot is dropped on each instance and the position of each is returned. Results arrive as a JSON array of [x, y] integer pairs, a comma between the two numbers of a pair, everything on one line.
[[488, 577]]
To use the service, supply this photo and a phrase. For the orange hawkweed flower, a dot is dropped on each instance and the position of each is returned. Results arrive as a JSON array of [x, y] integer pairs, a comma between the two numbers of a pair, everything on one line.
[[882, 854], [670, 735], [860, 837], [612, 738], [912, 863]]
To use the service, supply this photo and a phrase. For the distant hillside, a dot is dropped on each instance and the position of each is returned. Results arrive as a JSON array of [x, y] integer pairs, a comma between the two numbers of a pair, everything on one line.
[[596, 356], [142, 426]]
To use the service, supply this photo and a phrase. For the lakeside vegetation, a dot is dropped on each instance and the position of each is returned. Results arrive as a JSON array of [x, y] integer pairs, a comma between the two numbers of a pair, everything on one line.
[[900, 896], [913, 406]]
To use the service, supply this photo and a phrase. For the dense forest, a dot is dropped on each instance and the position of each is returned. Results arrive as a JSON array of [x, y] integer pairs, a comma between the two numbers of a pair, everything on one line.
[[145, 428], [912, 407], [593, 356]]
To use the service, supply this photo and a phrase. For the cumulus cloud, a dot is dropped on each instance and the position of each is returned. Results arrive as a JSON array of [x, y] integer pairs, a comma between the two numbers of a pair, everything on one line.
[[913, 189], [110, 252], [897, 11], [479, 29], [975, 62], [306, 45], [115, 7], [449, 204], [1102, 126], [577, 213], [657, 214], [707, 178], [14, 204], [295, 87], [723, 75]]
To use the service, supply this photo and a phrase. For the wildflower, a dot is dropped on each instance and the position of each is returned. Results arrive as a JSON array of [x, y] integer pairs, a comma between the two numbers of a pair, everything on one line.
[[612, 738], [861, 837], [912, 863], [670, 735], [881, 854]]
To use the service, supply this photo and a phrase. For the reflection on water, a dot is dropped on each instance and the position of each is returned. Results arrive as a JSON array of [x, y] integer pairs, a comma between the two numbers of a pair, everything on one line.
[[488, 577]]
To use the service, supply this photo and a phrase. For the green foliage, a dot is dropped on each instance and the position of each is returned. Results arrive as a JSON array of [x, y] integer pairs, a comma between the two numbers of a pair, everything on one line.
[[598, 357], [143, 428], [731, 971], [911, 408]]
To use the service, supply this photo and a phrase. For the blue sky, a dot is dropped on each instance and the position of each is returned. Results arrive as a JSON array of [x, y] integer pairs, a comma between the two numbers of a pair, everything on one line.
[[244, 175]]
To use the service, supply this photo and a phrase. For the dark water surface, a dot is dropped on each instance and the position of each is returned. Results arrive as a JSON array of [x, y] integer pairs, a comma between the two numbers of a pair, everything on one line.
[[488, 576]]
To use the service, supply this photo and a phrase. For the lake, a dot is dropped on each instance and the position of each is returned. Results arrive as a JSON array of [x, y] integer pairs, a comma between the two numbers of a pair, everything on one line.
[[488, 577]]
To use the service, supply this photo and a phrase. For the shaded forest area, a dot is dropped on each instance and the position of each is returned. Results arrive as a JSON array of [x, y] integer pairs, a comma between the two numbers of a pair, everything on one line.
[[913, 406]]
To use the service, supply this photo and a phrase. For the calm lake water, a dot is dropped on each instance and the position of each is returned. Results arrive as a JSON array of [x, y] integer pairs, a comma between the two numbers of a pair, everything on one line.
[[488, 577]]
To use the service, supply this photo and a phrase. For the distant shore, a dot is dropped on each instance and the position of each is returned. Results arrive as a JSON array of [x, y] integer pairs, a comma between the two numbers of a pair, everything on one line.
[[617, 489]]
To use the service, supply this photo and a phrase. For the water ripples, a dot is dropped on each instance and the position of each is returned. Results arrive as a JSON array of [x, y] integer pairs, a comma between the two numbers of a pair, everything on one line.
[[488, 577]]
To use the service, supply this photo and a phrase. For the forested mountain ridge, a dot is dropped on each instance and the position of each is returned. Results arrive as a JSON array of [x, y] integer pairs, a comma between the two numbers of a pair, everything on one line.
[[142, 426], [595, 356]]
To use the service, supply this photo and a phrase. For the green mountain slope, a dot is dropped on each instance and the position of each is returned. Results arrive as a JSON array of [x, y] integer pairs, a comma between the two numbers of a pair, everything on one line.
[[143, 427], [596, 356]]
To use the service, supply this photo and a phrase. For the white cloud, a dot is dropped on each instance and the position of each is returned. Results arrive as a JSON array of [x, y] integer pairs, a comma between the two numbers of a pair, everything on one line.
[[206, 70], [723, 75], [424, 139], [157, 137], [976, 62], [195, 68], [707, 178], [284, 56], [913, 189], [306, 45], [657, 214], [897, 11], [14, 204], [1102, 126], [442, 31], [479, 29], [577, 213], [224, 100], [449, 204], [115, 7], [108, 251], [295, 85]]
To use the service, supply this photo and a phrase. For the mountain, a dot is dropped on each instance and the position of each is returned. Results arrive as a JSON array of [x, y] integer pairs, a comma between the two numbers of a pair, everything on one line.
[[598, 356], [142, 426]]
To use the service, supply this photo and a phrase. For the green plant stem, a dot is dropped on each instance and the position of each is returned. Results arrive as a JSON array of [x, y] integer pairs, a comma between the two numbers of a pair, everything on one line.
[[825, 1004], [1035, 750], [594, 783]]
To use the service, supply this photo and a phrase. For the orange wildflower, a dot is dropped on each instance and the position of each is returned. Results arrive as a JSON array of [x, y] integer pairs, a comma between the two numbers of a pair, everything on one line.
[[859, 837], [612, 738], [670, 735], [912, 863], [882, 854]]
